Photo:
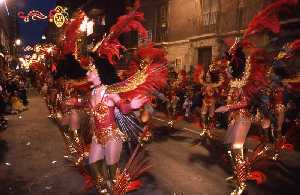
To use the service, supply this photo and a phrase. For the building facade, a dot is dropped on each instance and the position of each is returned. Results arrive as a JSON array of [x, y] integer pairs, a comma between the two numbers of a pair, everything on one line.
[[8, 32], [195, 31]]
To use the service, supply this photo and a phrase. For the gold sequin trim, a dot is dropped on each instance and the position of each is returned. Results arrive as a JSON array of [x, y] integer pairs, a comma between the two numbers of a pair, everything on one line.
[[280, 108], [131, 83], [239, 83], [104, 135]]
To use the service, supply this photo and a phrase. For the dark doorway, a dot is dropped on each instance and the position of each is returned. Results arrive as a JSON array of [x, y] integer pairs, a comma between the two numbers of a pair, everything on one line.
[[205, 56]]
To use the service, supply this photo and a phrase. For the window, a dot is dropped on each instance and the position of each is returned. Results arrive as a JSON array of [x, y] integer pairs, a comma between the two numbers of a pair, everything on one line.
[[150, 35], [149, 38], [206, 5], [163, 13], [162, 24], [209, 12], [209, 5], [242, 14]]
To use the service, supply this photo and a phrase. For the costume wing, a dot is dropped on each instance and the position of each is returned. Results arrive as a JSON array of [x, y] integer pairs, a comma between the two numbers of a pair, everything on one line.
[[152, 77], [129, 125]]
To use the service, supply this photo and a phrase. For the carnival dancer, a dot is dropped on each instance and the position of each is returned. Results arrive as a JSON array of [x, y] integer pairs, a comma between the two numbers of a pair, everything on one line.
[[288, 53], [107, 139], [173, 105], [187, 106], [281, 62], [272, 110], [69, 78], [210, 84], [238, 104], [249, 77], [108, 102]]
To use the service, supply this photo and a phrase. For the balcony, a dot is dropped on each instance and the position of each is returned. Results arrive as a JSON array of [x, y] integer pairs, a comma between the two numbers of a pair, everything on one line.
[[209, 22]]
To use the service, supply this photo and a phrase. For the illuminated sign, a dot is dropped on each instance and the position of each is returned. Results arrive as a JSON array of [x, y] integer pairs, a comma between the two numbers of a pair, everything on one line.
[[59, 16]]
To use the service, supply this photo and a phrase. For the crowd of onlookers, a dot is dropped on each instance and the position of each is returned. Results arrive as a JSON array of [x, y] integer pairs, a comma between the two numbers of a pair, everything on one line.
[[13, 94]]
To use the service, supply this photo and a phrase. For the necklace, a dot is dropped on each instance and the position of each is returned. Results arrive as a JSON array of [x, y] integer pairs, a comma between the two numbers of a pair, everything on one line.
[[94, 88], [241, 82], [102, 92]]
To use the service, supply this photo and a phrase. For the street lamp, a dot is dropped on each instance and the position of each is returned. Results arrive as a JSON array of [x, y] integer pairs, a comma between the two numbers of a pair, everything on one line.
[[18, 42], [44, 37]]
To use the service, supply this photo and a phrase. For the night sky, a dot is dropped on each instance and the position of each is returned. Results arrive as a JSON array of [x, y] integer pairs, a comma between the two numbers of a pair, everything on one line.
[[31, 32]]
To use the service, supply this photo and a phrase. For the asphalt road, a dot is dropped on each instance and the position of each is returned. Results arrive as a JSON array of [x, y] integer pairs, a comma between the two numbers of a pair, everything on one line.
[[32, 163]]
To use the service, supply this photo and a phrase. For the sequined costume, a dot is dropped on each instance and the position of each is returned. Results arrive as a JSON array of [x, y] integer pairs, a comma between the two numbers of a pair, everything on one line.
[[209, 100], [105, 126], [208, 109], [238, 128], [72, 122], [214, 79], [239, 113], [249, 79], [110, 126], [279, 107]]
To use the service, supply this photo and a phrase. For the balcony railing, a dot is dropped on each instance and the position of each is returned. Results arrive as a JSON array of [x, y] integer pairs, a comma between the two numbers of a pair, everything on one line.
[[209, 22], [228, 20]]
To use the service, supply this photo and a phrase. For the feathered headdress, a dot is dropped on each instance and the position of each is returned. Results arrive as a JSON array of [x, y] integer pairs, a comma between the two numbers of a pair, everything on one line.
[[267, 19], [289, 50], [110, 46], [257, 80], [71, 33]]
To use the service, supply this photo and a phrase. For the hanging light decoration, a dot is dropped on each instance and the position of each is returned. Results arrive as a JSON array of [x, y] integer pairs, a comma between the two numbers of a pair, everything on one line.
[[59, 16], [28, 48], [33, 15]]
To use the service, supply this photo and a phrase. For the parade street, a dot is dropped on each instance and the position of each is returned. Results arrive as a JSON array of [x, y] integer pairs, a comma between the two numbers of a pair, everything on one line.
[[149, 97], [32, 162]]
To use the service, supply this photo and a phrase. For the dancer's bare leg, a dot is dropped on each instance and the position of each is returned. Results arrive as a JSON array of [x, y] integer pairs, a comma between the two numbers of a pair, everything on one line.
[[96, 162], [97, 152], [113, 149]]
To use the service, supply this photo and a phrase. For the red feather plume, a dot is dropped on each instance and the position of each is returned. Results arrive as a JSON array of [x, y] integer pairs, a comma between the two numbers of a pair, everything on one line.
[[197, 73], [149, 51], [156, 71], [259, 67], [110, 46], [72, 32], [111, 50], [268, 18], [294, 46]]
